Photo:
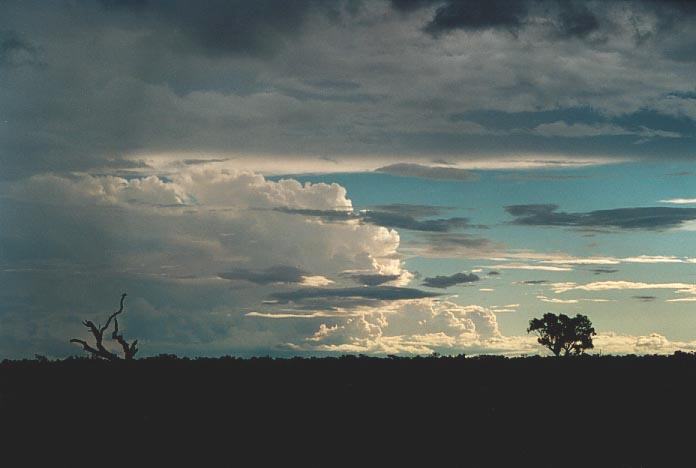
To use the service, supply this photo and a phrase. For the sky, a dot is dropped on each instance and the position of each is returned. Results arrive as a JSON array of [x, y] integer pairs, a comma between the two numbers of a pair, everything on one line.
[[308, 177]]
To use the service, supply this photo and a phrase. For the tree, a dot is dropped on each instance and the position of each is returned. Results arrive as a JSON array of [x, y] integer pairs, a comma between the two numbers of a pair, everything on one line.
[[98, 350], [562, 334]]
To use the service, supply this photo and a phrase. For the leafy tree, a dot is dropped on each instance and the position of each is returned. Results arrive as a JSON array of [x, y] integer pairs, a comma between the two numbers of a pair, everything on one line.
[[563, 335]]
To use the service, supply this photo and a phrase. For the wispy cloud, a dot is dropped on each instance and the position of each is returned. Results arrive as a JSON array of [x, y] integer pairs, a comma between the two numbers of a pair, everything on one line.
[[521, 266], [680, 201], [621, 285], [428, 172]]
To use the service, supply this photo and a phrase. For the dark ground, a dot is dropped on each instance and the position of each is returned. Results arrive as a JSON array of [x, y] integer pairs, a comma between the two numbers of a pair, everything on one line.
[[485, 411]]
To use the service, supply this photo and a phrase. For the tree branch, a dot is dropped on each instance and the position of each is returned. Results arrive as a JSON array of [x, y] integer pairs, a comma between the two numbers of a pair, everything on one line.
[[99, 351]]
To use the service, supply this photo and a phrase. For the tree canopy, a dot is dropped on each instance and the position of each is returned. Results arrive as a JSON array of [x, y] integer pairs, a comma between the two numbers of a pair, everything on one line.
[[563, 335]]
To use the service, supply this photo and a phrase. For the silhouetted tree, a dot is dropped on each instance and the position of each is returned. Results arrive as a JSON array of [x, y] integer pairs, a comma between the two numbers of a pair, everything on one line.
[[562, 334], [98, 350]]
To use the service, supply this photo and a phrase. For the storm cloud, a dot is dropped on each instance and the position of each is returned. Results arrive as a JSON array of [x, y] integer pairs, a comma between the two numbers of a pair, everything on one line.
[[146, 84]]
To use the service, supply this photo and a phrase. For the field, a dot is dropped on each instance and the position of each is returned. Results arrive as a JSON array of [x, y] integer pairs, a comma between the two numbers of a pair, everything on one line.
[[437, 411]]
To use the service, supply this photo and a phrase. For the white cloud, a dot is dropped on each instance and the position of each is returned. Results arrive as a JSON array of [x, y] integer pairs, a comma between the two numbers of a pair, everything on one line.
[[520, 266], [554, 300], [653, 343], [619, 285], [411, 327], [680, 201], [166, 241]]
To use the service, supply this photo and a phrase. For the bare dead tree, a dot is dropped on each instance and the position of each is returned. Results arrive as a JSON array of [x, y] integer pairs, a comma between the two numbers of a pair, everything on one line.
[[98, 350]]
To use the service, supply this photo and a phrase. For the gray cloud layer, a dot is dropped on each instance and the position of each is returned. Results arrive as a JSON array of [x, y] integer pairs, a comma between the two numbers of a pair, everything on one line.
[[275, 274], [381, 293], [651, 218], [443, 281], [391, 219], [428, 172], [98, 86]]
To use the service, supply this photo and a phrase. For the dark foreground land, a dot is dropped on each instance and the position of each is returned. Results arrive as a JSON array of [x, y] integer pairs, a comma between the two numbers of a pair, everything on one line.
[[468, 412]]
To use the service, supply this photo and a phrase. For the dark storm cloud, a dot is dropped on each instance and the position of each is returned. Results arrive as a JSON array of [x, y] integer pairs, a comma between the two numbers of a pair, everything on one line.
[[380, 293], [373, 279], [428, 172], [576, 20], [85, 86], [443, 281], [275, 274], [384, 218], [568, 18], [649, 218], [472, 14], [225, 26], [15, 50]]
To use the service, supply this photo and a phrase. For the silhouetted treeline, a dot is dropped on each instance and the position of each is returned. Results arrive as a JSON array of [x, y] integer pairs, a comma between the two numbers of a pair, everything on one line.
[[360, 411]]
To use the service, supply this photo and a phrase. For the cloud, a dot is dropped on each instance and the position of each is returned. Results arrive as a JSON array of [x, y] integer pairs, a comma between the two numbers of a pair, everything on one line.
[[223, 27], [390, 219], [416, 327], [521, 266], [600, 271], [379, 293], [16, 51], [373, 279], [428, 172], [582, 130], [621, 285], [451, 244], [265, 86], [441, 281], [645, 298], [554, 300], [275, 274], [648, 218], [166, 242], [565, 20], [474, 15], [653, 343], [194, 162], [680, 201], [416, 211], [577, 130]]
